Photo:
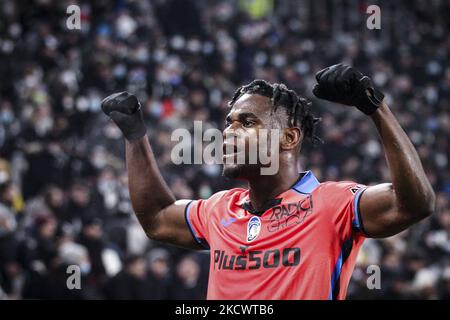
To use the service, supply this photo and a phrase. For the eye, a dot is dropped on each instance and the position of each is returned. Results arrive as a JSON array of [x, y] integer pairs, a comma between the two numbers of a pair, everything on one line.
[[248, 123]]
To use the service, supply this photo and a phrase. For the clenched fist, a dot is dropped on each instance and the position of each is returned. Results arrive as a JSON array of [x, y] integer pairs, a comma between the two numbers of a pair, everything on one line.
[[125, 110], [344, 84]]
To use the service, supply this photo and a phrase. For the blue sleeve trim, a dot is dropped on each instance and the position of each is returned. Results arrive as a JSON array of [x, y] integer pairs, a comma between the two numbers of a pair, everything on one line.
[[199, 240], [357, 221]]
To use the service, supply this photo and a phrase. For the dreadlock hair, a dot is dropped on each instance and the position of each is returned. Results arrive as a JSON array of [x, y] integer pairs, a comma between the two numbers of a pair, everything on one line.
[[299, 109]]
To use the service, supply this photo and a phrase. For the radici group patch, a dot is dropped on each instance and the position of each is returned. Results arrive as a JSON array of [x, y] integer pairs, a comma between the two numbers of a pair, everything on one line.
[[253, 228]]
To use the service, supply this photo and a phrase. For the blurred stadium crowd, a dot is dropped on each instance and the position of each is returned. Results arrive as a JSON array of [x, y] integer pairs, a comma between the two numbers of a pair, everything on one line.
[[63, 188]]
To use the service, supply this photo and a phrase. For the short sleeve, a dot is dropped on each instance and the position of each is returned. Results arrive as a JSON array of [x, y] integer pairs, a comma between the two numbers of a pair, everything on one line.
[[344, 198], [198, 217]]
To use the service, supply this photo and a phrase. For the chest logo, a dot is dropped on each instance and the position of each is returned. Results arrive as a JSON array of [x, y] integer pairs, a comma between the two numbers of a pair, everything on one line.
[[253, 228], [290, 214]]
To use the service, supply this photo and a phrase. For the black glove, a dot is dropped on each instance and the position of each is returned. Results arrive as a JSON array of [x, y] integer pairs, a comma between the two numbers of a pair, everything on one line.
[[125, 110], [344, 84]]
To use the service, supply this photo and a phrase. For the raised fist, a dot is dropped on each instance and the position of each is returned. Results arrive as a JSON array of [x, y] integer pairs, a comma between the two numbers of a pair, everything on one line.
[[125, 110], [344, 84]]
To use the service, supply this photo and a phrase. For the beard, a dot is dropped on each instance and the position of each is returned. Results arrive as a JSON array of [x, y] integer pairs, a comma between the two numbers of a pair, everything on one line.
[[240, 171]]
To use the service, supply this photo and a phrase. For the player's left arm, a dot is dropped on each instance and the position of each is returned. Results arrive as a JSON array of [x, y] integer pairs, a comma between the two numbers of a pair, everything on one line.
[[389, 208], [386, 209]]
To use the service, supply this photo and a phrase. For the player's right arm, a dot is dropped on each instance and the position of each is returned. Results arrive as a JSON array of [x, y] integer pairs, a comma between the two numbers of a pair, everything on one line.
[[161, 217]]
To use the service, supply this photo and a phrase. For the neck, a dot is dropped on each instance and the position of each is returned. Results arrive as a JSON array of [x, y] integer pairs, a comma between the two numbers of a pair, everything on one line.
[[265, 188]]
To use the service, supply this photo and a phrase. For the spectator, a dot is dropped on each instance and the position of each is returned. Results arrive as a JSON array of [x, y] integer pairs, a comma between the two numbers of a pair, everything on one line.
[[158, 278], [130, 283], [187, 284]]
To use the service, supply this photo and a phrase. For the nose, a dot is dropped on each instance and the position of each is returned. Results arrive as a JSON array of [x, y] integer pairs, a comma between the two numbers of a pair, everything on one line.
[[229, 132]]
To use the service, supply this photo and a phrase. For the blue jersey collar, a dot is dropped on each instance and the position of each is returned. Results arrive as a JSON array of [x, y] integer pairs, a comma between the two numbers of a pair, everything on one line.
[[307, 183]]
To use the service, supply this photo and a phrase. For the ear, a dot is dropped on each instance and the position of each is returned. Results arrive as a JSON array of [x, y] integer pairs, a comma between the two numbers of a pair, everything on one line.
[[291, 138]]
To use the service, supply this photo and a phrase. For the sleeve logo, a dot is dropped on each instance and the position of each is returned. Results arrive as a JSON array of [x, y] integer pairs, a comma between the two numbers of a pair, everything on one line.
[[356, 188]]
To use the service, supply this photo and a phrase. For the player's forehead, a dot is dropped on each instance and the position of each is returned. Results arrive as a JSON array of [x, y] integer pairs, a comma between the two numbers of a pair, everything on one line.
[[251, 103]]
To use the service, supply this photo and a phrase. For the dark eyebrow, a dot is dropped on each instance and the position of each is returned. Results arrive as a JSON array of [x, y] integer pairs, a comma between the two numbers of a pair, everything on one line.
[[242, 116], [245, 115]]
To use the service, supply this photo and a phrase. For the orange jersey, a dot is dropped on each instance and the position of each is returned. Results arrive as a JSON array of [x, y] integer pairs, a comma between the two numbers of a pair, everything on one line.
[[302, 245]]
